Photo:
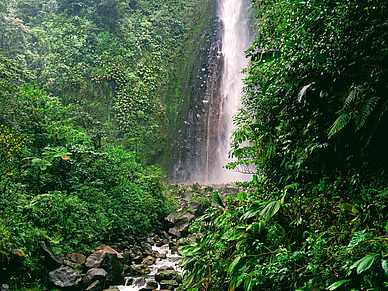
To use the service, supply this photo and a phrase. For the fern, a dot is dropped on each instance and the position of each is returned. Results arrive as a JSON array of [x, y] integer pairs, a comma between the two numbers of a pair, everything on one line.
[[365, 110], [339, 124], [352, 95]]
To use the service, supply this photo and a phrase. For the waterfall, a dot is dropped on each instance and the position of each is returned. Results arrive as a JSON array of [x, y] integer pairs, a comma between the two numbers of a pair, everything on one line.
[[235, 40], [216, 92]]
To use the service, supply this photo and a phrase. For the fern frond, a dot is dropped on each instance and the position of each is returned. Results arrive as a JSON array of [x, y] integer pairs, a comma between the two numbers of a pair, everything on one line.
[[352, 95], [365, 110], [339, 124]]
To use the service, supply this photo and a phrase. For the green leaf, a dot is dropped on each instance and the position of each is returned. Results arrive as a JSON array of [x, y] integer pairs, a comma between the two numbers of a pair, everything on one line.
[[253, 211], [271, 209], [337, 284], [233, 265], [350, 208], [256, 226], [217, 199], [384, 265], [364, 264], [357, 237], [242, 196]]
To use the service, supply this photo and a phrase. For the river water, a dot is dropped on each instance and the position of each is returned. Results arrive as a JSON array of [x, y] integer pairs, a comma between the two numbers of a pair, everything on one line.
[[172, 260]]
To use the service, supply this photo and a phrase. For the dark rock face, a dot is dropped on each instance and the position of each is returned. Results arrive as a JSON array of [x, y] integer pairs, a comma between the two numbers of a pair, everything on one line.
[[52, 260], [64, 277]]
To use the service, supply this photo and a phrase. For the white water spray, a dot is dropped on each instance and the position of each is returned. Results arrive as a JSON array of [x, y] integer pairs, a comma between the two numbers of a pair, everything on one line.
[[235, 41]]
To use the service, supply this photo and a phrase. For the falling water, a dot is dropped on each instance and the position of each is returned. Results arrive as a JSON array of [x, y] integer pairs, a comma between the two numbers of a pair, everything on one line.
[[235, 40]]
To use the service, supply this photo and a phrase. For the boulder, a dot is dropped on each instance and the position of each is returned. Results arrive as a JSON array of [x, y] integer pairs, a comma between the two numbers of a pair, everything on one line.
[[64, 277], [110, 260], [183, 221], [196, 208], [112, 289], [94, 275], [164, 275], [164, 268], [168, 284], [77, 258], [149, 260], [97, 257], [150, 241], [147, 288], [115, 269], [127, 257], [171, 218], [147, 248], [152, 284], [139, 269], [175, 233]]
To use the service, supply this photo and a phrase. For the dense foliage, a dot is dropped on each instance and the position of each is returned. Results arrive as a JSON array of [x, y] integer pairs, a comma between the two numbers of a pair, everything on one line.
[[63, 180], [117, 58], [315, 99], [292, 239], [313, 121]]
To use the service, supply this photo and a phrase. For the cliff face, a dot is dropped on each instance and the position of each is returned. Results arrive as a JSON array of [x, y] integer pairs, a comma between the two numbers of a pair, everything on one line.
[[195, 93]]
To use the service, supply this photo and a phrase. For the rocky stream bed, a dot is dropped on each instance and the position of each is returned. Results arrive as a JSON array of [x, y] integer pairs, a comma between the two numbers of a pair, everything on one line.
[[136, 263]]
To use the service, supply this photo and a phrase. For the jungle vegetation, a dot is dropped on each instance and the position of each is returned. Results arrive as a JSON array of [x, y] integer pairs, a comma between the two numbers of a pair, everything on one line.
[[88, 102], [85, 110], [314, 120]]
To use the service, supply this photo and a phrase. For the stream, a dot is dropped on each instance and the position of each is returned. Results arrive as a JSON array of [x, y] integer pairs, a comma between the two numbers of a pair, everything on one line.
[[136, 282]]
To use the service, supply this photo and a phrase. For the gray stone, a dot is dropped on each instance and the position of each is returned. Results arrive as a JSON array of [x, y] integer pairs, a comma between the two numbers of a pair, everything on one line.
[[72, 264], [64, 277], [175, 233], [183, 221], [139, 269], [97, 257]]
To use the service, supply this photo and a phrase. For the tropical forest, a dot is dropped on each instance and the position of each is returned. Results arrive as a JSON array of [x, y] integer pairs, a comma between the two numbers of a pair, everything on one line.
[[193, 145]]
